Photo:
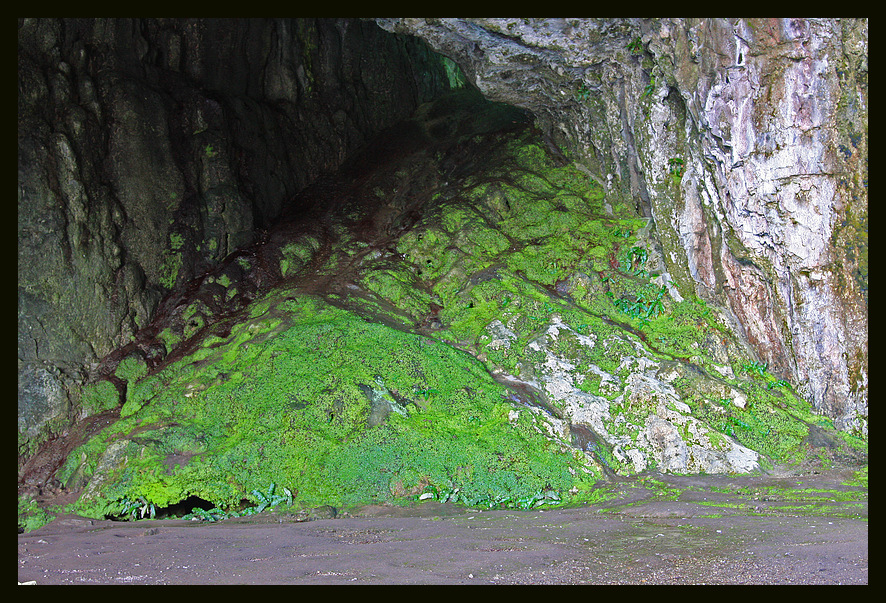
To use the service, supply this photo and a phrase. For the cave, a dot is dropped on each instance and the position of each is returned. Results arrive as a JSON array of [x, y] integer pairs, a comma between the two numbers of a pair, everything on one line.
[[491, 262]]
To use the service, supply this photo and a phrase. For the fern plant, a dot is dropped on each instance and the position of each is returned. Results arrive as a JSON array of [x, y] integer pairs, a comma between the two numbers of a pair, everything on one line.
[[675, 169], [755, 367], [779, 383], [636, 46], [271, 499], [212, 515], [650, 88], [647, 305], [265, 500], [137, 509]]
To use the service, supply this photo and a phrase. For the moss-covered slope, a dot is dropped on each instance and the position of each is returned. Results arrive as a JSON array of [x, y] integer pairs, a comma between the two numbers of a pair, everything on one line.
[[339, 410], [472, 320]]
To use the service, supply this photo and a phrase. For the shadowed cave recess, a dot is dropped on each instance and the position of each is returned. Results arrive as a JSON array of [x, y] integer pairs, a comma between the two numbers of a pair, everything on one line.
[[321, 263]]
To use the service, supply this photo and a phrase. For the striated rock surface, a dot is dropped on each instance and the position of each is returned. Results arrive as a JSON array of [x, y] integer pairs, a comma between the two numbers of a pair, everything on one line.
[[151, 149], [745, 140]]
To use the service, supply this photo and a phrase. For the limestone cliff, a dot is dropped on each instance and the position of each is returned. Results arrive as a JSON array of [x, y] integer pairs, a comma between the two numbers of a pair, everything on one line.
[[311, 254], [152, 150], [745, 141]]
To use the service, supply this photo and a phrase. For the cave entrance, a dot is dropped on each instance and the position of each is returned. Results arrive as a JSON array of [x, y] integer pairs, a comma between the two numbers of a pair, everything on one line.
[[394, 182]]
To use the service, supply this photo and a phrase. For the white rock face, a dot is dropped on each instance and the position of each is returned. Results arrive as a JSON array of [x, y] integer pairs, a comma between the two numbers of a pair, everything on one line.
[[770, 123], [769, 117], [670, 438], [501, 335]]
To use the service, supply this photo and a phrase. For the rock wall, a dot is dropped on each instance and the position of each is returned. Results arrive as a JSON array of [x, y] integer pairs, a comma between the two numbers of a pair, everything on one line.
[[150, 149], [745, 142]]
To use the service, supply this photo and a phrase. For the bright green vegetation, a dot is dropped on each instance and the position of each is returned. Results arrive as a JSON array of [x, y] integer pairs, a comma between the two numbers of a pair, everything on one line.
[[675, 169], [339, 401], [297, 254], [265, 500], [860, 479], [775, 421], [659, 490], [496, 251], [556, 252], [99, 397], [784, 499], [751, 500], [30, 515], [131, 368], [336, 409], [140, 508]]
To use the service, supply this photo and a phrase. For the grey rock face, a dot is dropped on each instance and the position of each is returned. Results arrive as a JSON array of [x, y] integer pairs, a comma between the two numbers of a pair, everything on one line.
[[151, 149], [744, 139]]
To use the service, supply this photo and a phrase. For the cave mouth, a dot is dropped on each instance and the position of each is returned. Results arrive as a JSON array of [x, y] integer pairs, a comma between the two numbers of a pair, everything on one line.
[[143, 509], [192, 507], [397, 180], [184, 507]]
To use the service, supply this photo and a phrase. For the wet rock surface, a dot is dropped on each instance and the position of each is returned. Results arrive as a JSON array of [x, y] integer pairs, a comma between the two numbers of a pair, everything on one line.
[[788, 529]]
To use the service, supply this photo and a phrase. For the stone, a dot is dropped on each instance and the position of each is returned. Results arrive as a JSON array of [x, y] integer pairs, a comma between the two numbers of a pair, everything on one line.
[[474, 297]]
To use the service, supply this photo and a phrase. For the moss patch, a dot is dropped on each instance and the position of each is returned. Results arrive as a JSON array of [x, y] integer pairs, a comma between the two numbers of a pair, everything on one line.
[[289, 404], [30, 515]]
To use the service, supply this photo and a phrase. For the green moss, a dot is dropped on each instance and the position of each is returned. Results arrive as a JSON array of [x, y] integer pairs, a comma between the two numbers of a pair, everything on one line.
[[131, 368], [297, 254], [176, 241], [399, 287], [860, 478], [170, 339], [341, 410], [99, 397], [773, 423], [140, 392], [292, 409], [30, 515]]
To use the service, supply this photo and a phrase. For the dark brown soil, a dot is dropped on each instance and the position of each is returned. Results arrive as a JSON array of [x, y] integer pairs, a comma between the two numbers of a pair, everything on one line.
[[663, 530]]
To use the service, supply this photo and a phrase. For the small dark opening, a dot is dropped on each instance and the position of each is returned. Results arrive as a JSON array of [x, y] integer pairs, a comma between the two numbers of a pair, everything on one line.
[[176, 510], [184, 507]]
